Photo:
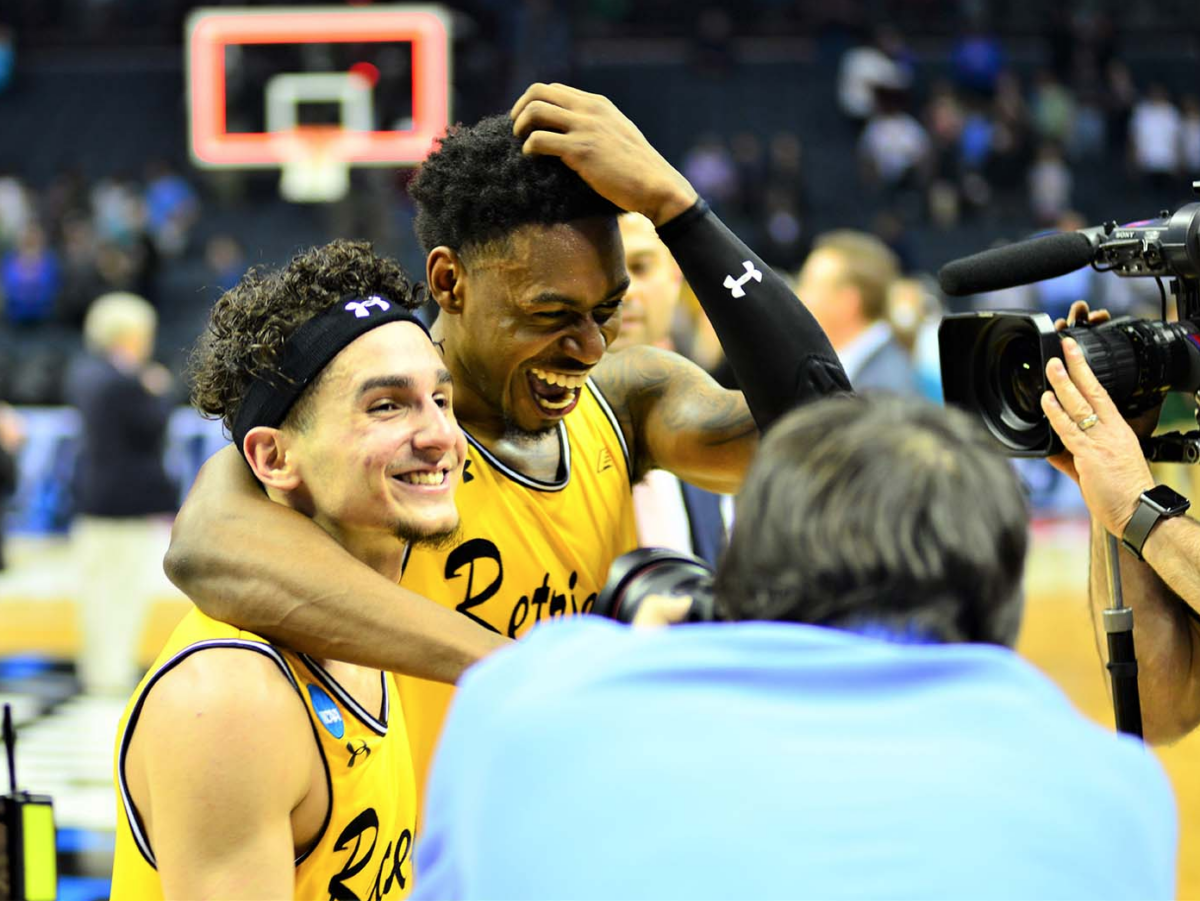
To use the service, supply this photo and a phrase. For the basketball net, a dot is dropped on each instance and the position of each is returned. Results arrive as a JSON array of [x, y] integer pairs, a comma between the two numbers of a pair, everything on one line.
[[315, 163]]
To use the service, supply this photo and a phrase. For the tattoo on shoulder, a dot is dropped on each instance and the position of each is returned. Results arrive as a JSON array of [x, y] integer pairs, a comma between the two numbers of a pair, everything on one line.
[[636, 379]]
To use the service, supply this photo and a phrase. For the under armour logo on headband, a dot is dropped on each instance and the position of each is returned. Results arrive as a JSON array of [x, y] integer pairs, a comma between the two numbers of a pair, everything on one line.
[[360, 306]]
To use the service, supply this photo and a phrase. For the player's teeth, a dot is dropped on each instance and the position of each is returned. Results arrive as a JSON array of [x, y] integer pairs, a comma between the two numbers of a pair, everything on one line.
[[558, 404], [560, 379], [423, 478]]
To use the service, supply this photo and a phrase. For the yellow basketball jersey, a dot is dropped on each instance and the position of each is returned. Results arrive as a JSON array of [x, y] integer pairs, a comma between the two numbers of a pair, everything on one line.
[[365, 849], [528, 551]]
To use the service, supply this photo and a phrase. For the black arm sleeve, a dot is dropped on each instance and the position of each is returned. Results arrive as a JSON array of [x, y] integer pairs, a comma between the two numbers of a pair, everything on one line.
[[777, 350]]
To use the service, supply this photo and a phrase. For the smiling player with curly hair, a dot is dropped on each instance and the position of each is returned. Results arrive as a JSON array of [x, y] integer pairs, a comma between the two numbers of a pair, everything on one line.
[[246, 769]]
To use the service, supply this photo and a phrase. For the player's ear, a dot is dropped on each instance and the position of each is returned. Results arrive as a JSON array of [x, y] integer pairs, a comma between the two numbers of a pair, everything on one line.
[[446, 276], [266, 450]]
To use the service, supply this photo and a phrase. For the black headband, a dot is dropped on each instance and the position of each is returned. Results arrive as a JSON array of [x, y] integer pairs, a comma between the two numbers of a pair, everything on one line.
[[306, 352]]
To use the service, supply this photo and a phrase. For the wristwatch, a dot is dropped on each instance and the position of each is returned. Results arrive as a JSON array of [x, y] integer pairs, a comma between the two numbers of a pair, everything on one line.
[[1159, 503]]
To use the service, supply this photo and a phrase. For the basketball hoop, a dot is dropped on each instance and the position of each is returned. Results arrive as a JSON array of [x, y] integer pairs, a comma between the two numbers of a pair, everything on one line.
[[315, 162]]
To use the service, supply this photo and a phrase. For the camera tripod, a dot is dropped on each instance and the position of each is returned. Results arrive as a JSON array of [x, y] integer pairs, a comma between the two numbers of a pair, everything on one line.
[[1122, 662]]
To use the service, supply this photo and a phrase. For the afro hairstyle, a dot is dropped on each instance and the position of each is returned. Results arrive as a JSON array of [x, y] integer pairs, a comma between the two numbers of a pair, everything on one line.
[[478, 188]]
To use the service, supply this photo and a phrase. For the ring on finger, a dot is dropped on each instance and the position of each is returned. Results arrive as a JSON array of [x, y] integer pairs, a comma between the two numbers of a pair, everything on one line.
[[1087, 422]]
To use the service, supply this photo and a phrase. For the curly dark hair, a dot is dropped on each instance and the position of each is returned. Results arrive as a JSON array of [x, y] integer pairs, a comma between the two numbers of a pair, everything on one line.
[[478, 187], [250, 323]]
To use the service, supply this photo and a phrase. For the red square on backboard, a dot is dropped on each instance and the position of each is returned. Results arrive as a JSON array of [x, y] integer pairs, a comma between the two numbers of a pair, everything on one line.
[[210, 31]]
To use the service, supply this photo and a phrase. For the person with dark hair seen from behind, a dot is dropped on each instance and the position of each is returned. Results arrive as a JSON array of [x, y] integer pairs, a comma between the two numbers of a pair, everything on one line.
[[1160, 554], [518, 217], [856, 720], [845, 283], [245, 769]]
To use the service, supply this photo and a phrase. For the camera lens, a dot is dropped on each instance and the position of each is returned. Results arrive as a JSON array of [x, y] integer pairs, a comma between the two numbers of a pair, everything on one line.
[[640, 573], [1017, 380]]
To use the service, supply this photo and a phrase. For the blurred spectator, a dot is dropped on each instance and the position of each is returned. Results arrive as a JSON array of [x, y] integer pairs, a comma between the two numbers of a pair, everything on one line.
[[977, 60], [894, 149], [8, 57], [171, 208], [785, 169], [784, 204], [978, 134], [943, 120], [1154, 136], [122, 490], [1050, 184], [225, 260], [751, 173], [1189, 136], [16, 209], [844, 283], [882, 62], [1053, 108], [1009, 158], [1089, 138], [914, 313], [1120, 95], [12, 436], [66, 195], [82, 281], [784, 239], [117, 210], [30, 279], [889, 227], [710, 169]]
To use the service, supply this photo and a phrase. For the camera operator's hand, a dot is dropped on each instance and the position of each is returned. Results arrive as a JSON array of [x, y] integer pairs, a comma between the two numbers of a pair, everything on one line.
[[1103, 454], [593, 137], [661, 610], [1143, 426]]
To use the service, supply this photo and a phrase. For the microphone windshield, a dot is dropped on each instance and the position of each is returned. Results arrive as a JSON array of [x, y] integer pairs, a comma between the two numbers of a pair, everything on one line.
[[1016, 264]]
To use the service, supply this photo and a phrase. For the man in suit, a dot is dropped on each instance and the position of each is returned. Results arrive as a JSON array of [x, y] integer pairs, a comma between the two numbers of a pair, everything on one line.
[[844, 282], [670, 513], [124, 499]]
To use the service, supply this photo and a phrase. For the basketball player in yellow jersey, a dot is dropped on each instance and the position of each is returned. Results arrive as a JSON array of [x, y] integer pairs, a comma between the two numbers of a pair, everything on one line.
[[518, 215], [246, 769]]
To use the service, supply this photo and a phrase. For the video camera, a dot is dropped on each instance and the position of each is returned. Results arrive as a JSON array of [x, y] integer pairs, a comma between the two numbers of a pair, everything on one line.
[[994, 363], [653, 570]]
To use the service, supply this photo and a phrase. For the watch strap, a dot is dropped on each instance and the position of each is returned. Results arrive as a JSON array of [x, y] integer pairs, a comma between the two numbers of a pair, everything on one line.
[[1142, 523]]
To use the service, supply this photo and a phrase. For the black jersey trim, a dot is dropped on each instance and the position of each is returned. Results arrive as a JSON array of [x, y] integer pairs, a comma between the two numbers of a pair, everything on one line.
[[131, 814], [377, 725], [616, 425], [520, 478]]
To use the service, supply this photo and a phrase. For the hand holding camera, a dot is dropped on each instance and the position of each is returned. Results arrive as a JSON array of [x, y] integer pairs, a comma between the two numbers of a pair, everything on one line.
[[1102, 451]]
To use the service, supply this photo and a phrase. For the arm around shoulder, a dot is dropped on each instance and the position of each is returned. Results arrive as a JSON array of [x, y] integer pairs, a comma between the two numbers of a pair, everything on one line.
[[270, 570]]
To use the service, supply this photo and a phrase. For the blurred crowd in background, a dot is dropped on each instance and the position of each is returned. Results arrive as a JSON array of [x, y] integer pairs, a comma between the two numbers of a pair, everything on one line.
[[892, 134], [941, 126]]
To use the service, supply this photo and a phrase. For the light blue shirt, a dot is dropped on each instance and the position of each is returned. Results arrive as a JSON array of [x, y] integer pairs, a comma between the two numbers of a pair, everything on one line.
[[766, 760]]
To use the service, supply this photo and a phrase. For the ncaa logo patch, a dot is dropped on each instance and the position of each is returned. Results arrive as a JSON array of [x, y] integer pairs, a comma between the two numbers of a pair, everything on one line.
[[327, 711]]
